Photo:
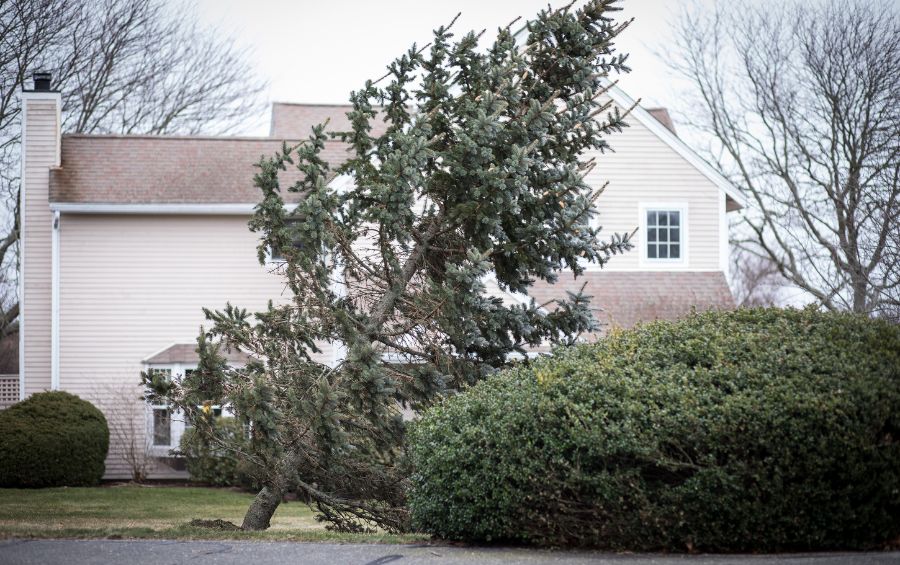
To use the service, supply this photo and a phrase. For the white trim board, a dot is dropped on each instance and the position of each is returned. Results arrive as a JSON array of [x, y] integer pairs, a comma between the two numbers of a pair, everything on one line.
[[648, 269], [724, 244], [41, 95], [662, 132], [23, 153]]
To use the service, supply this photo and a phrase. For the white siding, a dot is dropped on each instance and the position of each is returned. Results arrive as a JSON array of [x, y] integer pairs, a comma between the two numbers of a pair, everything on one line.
[[643, 168], [133, 285], [40, 152]]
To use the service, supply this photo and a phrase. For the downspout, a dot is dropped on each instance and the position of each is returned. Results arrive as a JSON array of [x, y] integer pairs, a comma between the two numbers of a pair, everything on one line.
[[54, 303]]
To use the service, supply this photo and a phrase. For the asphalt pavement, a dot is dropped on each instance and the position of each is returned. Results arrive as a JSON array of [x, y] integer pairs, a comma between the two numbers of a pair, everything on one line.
[[145, 552]]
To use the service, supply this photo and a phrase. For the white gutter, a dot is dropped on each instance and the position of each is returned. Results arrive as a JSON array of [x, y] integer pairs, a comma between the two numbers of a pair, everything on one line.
[[54, 303], [201, 209]]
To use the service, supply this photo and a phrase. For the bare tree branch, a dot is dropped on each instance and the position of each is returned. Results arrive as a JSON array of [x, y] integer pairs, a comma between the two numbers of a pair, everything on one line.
[[122, 66], [803, 104]]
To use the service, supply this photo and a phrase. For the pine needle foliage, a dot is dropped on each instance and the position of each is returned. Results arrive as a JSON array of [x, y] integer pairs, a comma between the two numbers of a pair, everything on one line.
[[477, 182]]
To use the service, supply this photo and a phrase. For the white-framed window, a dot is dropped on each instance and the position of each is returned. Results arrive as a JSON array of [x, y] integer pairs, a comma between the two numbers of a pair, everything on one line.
[[663, 229], [165, 425], [162, 426], [160, 417]]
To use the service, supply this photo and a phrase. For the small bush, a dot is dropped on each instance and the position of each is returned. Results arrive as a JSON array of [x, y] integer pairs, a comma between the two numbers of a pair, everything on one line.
[[52, 439], [210, 464], [748, 430]]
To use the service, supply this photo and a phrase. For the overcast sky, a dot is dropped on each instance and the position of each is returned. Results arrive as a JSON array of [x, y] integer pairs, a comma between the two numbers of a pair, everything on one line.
[[320, 50]]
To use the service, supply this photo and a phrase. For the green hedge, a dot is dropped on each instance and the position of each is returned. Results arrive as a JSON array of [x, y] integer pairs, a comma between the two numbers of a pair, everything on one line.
[[52, 439], [749, 430], [212, 465]]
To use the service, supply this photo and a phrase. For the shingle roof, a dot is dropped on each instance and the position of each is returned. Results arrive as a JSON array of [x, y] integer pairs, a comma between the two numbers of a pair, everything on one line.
[[117, 169], [159, 170], [295, 121], [114, 169], [662, 115], [187, 353], [625, 298]]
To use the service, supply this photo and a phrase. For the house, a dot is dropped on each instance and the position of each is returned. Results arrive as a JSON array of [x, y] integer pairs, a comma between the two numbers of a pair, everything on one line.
[[126, 238]]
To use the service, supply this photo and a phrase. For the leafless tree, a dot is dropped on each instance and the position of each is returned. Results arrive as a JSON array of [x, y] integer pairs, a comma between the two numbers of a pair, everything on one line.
[[9, 354], [802, 101], [122, 66], [126, 414], [755, 280]]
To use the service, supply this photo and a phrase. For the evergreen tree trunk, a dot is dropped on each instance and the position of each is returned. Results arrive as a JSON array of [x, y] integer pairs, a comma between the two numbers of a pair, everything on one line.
[[260, 513]]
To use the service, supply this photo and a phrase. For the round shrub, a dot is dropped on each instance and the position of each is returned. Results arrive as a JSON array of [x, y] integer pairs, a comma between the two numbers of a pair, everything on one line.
[[750, 430], [52, 439]]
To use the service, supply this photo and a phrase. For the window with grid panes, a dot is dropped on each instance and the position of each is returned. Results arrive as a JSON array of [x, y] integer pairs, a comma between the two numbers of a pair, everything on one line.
[[664, 229]]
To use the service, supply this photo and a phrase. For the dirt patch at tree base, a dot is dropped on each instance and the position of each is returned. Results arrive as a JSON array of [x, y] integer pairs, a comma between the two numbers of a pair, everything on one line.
[[222, 525]]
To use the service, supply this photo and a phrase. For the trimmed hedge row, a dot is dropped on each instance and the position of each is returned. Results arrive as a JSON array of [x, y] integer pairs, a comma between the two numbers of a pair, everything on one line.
[[52, 439], [750, 430]]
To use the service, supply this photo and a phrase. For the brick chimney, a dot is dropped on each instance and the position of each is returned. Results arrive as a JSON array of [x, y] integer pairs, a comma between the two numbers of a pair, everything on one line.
[[40, 152]]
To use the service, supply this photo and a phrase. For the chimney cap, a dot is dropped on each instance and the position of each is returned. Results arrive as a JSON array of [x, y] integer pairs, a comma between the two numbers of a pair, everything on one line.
[[42, 80]]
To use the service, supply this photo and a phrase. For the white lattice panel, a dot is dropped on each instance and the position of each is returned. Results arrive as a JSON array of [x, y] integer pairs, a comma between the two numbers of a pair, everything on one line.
[[9, 390]]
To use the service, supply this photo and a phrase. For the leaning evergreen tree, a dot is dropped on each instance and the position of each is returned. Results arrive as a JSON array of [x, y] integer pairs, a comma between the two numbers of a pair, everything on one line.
[[476, 183]]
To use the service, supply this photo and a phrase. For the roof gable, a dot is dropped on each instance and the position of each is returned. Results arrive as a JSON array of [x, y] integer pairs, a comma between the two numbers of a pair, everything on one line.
[[667, 136]]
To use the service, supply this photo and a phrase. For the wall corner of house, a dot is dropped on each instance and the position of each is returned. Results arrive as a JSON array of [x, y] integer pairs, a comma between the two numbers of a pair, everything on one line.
[[40, 151]]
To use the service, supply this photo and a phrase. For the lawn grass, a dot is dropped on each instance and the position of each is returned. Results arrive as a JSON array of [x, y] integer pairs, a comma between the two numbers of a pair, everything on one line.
[[156, 512]]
